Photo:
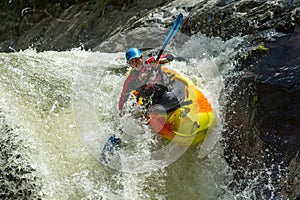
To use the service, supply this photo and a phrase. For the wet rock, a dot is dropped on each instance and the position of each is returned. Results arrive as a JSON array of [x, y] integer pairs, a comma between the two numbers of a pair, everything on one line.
[[275, 75], [229, 19], [262, 138], [136, 38], [84, 24], [18, 179], [67, 25], [7, 46]]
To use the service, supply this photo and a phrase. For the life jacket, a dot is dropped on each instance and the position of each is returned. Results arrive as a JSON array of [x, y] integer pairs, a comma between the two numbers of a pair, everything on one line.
[[136, 79]]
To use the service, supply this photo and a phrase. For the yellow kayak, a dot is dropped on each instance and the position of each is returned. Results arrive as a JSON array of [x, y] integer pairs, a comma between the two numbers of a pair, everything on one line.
[[188, 121]]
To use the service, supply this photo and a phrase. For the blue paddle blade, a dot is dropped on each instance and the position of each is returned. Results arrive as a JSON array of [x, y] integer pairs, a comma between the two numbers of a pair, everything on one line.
[[110, 148], [171, 33], [173, 30]]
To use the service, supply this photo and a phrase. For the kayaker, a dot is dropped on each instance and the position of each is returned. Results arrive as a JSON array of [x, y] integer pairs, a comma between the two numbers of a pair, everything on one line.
[[142, 73]]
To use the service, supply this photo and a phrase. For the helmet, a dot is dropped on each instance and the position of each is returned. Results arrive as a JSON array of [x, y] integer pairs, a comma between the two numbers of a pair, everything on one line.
[[133, 53]]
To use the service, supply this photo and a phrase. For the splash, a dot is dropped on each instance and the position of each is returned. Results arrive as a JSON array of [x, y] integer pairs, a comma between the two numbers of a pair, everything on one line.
[[67, 103]]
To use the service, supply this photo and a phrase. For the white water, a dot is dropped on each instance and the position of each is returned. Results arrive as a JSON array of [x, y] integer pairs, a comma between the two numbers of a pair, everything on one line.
[[65, 104]]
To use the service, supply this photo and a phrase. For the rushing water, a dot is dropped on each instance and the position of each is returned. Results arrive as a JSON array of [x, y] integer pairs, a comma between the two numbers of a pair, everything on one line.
[[58, 109]]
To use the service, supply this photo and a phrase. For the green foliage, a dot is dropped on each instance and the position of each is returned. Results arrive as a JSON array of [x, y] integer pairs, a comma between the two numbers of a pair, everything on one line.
[[261, 48]]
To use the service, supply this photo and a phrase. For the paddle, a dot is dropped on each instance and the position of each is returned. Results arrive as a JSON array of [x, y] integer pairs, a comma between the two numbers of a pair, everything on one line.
[[110, 148], [171, 34], [113, 143]]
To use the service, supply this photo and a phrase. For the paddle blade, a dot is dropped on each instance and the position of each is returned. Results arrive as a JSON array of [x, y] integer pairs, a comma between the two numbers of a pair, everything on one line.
[[173, 30], [171, 33], [110, 148]]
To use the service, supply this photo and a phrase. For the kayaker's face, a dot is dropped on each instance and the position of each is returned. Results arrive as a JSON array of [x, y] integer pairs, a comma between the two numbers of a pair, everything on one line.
[[137, 63]]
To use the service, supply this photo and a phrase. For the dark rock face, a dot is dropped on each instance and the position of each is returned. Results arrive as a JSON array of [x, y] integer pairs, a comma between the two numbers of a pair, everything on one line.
[[263, 120], [275, 75], [240, 18], [71, 24], [82, 24]]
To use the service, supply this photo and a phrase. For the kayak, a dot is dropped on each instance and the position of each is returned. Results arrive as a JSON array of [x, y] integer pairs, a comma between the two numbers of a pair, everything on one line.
[[182, 113], [179, 112]]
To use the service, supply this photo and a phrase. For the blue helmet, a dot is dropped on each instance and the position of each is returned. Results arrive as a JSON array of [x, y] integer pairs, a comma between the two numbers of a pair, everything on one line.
[[133, 53]]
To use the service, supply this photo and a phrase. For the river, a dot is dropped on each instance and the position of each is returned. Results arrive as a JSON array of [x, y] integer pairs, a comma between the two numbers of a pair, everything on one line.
[[59, 108]]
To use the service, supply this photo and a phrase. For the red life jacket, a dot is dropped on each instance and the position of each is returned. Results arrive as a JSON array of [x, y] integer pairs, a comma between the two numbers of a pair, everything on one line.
[[135, 78]]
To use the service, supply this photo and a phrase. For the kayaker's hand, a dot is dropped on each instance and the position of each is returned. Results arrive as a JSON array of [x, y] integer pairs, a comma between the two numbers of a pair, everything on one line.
[[155, 64]]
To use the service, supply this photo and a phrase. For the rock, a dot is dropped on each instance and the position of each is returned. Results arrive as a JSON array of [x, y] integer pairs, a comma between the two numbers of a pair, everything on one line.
[[262, 135], [144, 38], [84, 24], [7, 46], [229, 19]]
